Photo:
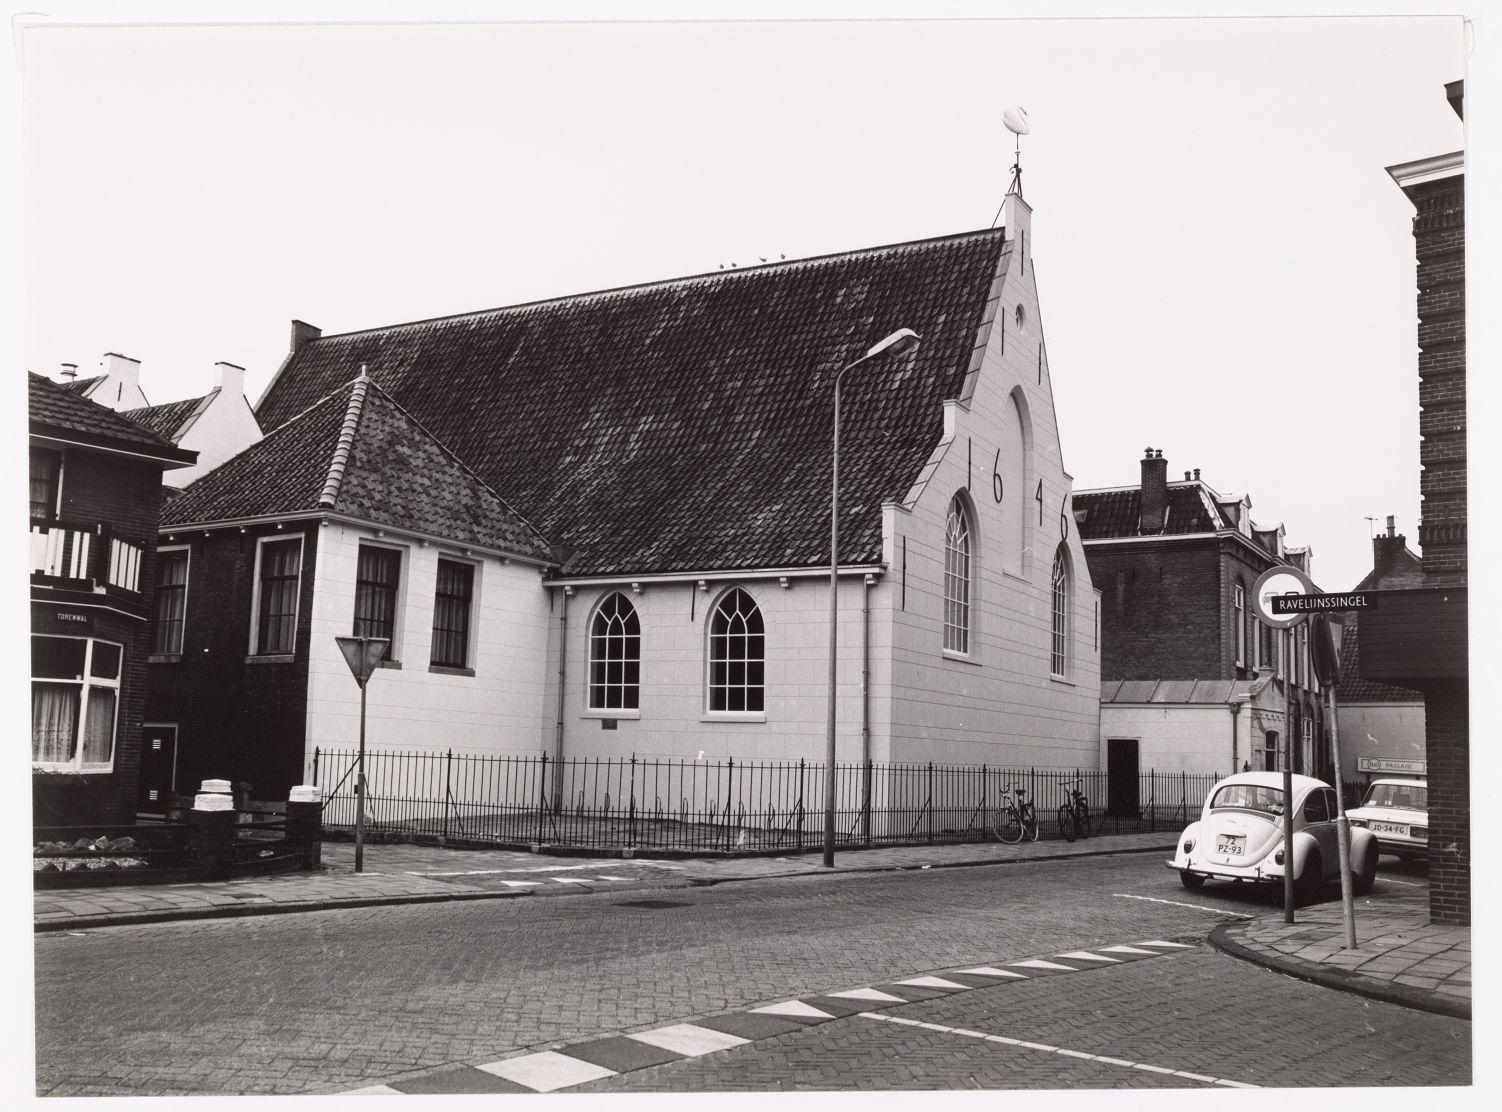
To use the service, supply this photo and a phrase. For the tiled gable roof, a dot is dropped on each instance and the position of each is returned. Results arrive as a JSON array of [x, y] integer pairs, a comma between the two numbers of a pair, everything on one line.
[[82, 386], [685, 425], [357, 454], [1112, 514], [171, 419], [55, 410]]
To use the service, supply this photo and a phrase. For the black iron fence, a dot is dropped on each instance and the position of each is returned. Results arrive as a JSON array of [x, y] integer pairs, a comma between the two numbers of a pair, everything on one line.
[[724, 806]]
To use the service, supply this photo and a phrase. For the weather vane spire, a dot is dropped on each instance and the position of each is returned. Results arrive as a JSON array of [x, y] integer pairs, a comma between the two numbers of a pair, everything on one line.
[[1015, 120]]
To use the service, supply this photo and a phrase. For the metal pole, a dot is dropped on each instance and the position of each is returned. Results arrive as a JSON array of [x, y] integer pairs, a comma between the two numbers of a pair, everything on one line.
[[834, 636], [1342, 827], [1287, 797], [360, 784]]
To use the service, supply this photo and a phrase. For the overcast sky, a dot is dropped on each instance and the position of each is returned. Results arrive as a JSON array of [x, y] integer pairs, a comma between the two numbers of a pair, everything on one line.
[[1225, 269]]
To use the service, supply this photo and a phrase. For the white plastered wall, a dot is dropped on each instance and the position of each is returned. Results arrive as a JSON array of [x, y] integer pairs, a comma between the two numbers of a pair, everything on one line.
[[224, 429], [1385, 730], [498, 710], [1177, 737], [1001, 704]]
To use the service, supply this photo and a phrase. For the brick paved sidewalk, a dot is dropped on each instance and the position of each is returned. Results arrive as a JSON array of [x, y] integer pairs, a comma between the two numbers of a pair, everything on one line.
[[1400, 956], [418, 874]]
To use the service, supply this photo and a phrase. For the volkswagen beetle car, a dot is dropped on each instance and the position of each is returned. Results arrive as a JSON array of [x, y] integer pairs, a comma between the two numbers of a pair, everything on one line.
[[1239, 836], [1397, 814]]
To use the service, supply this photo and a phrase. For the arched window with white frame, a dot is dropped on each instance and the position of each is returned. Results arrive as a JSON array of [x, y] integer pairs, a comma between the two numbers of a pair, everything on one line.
[[737, 656], [957, 578], [615, 655], [1059, 654]]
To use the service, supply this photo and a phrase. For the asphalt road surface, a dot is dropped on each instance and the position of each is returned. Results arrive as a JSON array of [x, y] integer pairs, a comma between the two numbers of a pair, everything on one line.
[[331, 1001]]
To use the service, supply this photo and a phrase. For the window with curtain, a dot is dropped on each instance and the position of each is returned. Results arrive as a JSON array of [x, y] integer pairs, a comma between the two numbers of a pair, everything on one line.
[[75, 689], [451, 603], [1059, 656], [171, 600], [1238, 608], [45, 468], [377, 575], [280, 573], [737, 655], [957, 579], [615, 656]]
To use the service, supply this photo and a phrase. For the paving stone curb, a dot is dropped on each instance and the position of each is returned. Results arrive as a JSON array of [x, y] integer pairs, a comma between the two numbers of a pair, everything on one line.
[[235, 911], [1228, 938]]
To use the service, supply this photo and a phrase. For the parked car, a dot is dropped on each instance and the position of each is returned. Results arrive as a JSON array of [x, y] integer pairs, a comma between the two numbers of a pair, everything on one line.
[[1397, 814], [1239, 836]]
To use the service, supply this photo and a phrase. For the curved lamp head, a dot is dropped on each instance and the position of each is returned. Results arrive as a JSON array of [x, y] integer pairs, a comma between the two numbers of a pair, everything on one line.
[[903, 340]]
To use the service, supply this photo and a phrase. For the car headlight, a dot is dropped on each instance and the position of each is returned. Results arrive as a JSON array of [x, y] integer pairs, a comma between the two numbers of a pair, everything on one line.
[[1278, 857], [1418, 832], [1188, 845]]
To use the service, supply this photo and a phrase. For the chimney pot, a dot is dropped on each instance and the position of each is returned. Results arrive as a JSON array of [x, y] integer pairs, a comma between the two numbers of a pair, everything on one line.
[[231, 379], [1391, 527], [70, 372], [1186, 476], [1196, 474]]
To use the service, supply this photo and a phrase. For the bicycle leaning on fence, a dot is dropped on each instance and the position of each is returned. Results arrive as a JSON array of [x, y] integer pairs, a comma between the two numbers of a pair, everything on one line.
[[1074, 813], [1017, 819]]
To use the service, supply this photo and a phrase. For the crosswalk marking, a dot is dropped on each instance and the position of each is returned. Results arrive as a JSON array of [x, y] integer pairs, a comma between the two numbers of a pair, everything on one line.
[[1127, 950], [991, 971], [1039, 963], [1172, 945], [868, 994], [793, 1008], [689, 1039], [932, 982], [547, 1071], [374, 1091], [1085, 955], [521, 883]]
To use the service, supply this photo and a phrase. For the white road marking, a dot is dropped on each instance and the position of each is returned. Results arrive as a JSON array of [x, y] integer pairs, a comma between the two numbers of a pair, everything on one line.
[[492, 872], [1404, 883], [932, 982], [373, 1091], [603, 876], [1039, 963], [1172, 945], [569, 880], [1127, 950], [547, 1071], [1085, 955], [991, 971], [793, 1008], [867, 994], [1176, 903], [689, 1039], [1003, 1039], [521, 883]]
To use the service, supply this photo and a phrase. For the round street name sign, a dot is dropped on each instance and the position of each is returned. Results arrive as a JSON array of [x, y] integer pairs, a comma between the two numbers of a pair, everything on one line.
[[1282, 580]]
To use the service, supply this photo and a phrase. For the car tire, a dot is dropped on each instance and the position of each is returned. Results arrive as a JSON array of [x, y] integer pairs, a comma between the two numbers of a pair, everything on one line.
[[1190, 880], [1365, 878], [1309, 885]]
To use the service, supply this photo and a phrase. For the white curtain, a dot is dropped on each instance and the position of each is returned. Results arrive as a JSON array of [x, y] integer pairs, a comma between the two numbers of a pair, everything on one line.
[[99, 726], [54, 721]]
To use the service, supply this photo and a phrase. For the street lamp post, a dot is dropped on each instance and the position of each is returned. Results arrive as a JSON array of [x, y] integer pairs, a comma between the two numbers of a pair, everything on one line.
[[362, 654], [903, 340]]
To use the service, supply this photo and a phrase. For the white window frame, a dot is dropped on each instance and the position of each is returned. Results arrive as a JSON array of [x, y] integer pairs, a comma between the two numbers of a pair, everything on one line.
[[472, 640], [187, 584], [732, 715], [255, 592], [958, 626], [1238, 606], [1060, 626], [84, 685], [594, 711], [398, 602]]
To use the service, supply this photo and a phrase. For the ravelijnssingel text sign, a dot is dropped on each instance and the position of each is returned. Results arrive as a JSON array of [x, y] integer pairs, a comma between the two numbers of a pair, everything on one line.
[[1323, 604]]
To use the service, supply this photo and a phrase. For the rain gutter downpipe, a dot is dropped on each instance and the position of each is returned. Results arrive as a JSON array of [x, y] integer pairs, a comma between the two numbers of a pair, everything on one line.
[[866, 706], [562, 672]]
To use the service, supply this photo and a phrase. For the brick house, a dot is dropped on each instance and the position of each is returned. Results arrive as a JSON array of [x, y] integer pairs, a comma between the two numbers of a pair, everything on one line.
[[96, 491], [1381, 724], [1420, 639], [671, 441], [1175, 564]]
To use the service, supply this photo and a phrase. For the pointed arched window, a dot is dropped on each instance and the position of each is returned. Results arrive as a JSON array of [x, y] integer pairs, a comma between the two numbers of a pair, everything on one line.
[[957, 579], [1059, 657], [615, 656], [737, 655]]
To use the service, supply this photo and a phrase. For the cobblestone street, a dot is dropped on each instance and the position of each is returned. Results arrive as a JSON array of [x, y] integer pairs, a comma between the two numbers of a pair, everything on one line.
[[331, 1001]]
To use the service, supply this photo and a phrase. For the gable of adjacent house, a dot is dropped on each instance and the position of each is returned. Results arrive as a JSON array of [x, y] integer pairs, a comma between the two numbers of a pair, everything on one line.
[[685, 425]]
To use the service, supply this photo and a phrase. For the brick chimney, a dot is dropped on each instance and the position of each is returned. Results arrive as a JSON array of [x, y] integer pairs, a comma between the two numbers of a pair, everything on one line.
[[303, 333], [1387, 551], [231, 379], [1154, 492]]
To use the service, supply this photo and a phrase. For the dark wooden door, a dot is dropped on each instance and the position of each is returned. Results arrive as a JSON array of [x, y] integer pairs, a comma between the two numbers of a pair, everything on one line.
[[158, 764], [1122, 777]]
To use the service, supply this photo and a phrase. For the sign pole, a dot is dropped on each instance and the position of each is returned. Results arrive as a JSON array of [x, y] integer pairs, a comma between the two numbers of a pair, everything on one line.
[[360, 791], [1288, 815], [362, 654], [1342, 826]]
